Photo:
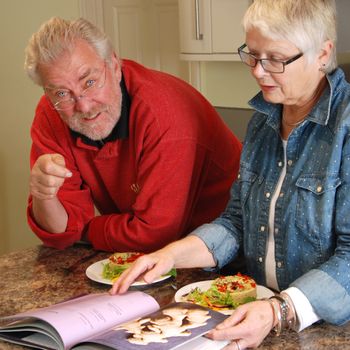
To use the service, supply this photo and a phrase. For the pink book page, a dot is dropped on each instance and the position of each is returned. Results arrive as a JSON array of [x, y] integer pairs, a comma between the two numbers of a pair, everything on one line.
[[77, 319]]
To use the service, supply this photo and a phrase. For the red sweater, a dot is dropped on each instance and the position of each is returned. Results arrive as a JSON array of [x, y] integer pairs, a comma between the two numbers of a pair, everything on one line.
[[171, 174]]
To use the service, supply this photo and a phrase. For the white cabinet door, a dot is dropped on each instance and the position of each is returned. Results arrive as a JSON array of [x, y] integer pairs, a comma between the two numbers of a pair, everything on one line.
[[211, 29], [227, 30], [146, 31], [123, 22], [195, 28]]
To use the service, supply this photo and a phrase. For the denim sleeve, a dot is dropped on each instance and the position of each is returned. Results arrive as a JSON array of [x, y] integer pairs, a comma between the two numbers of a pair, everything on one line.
[[222, 235], [322, 290], [328, 287], [219, 242]]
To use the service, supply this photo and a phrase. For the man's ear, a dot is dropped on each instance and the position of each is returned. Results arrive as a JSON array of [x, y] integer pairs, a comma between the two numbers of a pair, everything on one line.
[[116, 65]]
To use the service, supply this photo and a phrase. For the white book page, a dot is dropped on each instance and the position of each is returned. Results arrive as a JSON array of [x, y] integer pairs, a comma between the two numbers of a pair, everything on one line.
[[35, 325], [203, 343], [42, 340], [78, 319]]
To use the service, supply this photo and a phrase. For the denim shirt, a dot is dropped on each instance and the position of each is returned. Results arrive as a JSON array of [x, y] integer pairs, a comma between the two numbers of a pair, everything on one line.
[[312, 213]]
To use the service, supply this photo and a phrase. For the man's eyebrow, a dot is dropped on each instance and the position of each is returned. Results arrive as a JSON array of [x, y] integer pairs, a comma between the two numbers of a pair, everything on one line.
[[85, 74], [88, 72], [54, 87]]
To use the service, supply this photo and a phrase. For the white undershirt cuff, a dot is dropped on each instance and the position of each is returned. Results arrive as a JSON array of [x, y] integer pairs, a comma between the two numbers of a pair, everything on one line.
[[304, 310]]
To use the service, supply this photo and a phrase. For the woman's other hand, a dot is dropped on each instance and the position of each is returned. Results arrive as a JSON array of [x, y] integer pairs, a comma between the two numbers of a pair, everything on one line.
[[248, 325]]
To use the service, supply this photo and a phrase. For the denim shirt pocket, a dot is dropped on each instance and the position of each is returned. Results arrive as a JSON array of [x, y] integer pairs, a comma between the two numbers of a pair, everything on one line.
[[316, 203], [245, 179]]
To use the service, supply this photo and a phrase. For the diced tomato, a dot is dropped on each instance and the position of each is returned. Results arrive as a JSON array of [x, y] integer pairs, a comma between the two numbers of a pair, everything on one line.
[[222, 288], [133, 257], [121, 260]]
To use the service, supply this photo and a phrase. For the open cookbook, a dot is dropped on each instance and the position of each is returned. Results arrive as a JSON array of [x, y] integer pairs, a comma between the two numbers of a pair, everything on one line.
[[131, 321]]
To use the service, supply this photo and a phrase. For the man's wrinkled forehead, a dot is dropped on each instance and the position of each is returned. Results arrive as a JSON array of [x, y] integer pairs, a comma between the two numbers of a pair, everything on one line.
[[76, 64]]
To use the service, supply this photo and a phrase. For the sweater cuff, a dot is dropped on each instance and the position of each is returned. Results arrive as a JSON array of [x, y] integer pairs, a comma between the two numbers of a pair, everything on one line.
[[95, 233], [54, 240]]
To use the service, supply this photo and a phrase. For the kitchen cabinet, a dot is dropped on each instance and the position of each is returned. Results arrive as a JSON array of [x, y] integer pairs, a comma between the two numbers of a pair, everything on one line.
[[146, 31], [211, 29]]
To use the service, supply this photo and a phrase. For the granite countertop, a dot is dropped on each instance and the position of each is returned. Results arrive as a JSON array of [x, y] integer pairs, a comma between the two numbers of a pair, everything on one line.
[[41, 276]]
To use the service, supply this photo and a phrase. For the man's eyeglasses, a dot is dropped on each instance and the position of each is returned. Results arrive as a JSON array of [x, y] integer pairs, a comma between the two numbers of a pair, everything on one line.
[[63, 99], [269, 65]]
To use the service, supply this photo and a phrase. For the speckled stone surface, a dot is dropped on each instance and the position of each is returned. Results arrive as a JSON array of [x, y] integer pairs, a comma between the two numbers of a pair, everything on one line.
[[41, 276]]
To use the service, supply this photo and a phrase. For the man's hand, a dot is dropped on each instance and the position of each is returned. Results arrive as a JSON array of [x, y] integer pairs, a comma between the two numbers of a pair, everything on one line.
[[47, 176]]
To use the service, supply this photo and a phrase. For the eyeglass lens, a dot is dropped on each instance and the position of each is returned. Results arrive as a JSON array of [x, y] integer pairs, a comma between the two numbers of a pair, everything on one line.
[[91, 85], [268, 65]]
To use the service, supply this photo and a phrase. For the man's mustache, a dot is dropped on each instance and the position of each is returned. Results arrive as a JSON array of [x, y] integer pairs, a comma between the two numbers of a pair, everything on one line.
[[91, 114]]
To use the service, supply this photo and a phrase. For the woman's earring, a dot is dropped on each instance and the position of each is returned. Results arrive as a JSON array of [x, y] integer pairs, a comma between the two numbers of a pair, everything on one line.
[[322, 69]]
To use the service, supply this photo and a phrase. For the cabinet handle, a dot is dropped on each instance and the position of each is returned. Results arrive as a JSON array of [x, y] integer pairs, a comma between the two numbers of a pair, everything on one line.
[[199, 35]]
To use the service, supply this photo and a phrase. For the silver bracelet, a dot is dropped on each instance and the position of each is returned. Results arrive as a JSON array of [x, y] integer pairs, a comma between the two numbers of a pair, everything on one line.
[[284, 310], [292, 323], [276, 316]]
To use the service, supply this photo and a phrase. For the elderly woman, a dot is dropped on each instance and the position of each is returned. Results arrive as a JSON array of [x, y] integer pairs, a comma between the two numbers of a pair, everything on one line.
[[290, 207]]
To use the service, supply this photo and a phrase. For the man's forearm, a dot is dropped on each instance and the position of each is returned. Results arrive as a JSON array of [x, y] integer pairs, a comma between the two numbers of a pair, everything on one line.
[[50, 215]]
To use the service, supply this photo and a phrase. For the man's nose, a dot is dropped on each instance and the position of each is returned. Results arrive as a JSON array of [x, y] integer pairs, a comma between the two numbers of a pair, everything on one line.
[[82, 104]]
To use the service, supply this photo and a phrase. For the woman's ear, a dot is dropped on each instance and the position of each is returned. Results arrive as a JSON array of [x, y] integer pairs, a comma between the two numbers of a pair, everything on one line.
[[325, 52]]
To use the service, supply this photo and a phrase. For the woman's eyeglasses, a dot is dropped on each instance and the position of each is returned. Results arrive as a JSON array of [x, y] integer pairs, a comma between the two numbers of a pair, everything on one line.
[[269, 65]]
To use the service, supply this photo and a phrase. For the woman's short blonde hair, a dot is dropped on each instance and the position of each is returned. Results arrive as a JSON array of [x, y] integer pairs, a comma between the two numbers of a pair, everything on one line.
[[305, 23], [58, 36]]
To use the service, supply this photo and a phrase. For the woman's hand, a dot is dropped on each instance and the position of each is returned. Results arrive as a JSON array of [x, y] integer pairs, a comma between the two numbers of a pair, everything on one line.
[[149, 267], [248, 325], [188, 252]]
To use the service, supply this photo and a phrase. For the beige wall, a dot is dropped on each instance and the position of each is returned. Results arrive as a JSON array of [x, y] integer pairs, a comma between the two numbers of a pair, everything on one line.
[[18, 19], [227, 84]]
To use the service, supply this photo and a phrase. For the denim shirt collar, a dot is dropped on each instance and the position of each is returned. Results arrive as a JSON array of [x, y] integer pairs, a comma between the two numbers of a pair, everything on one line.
[[319, 114]]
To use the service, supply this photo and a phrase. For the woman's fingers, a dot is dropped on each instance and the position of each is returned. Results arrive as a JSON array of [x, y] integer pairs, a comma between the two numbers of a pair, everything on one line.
[[149, 267], [249, 324]]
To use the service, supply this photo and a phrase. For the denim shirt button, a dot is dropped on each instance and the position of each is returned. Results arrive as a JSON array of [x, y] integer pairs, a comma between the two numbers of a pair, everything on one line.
[[319, 189], [260, 259], [280, 164], [268, 194], [290, 162], [279, 264], [276, 231], [262, 228], [281, 194]]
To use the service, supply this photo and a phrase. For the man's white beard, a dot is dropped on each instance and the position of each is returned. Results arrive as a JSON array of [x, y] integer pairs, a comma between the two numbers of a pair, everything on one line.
[[95, 130]]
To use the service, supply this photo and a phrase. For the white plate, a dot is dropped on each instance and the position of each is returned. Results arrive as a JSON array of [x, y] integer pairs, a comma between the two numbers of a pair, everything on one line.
[[94, 272], [261, 291]]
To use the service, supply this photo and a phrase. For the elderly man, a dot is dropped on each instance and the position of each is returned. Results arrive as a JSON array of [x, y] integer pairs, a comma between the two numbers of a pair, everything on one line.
[[124, 157]]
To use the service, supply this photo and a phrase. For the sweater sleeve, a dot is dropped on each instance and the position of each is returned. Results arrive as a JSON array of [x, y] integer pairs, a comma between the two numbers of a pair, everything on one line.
[[50, 135]]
